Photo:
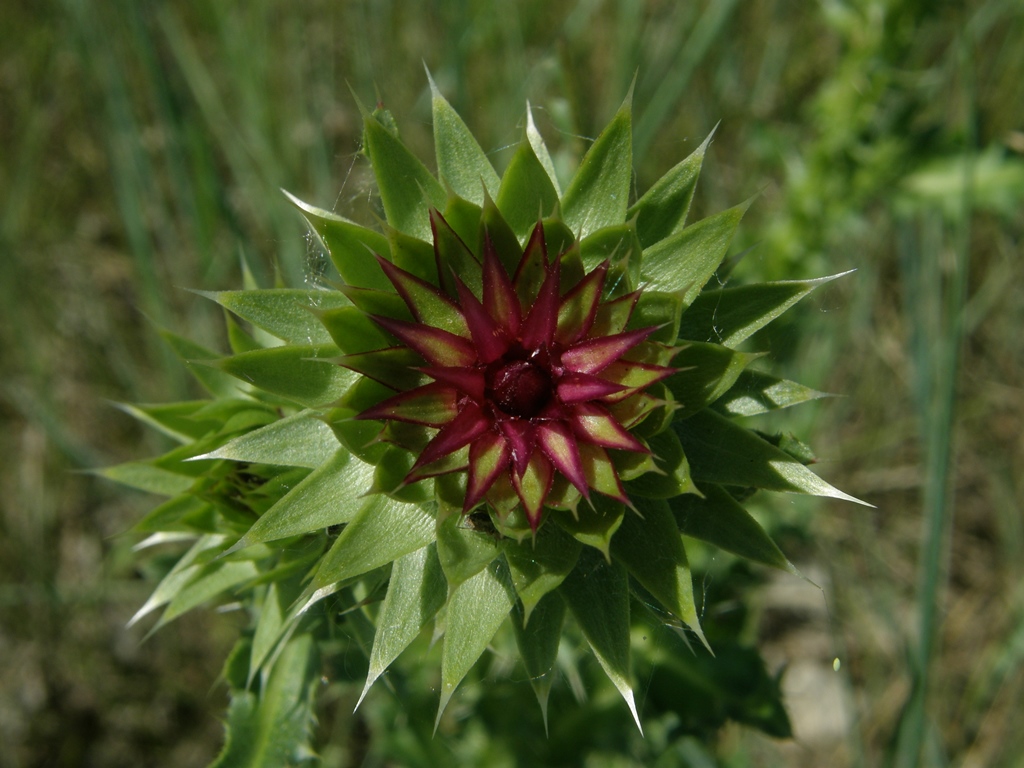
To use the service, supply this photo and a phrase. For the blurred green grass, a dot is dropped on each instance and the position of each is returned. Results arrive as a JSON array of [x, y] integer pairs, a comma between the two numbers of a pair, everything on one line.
[[144, 144]]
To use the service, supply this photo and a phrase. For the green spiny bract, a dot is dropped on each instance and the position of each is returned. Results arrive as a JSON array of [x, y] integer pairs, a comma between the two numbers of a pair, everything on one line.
[[513, 404]]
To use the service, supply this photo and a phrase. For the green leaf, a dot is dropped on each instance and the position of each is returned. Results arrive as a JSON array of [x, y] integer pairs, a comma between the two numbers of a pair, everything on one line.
[[503, 238], [538, 645], [373, 302], [351, 246], [176, 420], [301, 440], [527, 194], [719, 519], [180, 574], [661, 310], [240, 340], [463, 552], [595, 524], [146, 477], [207, 583], [730, 315], [284, 312], [476, 609], [540, 148], [394, 367], [540, 565], [460, 160], [597, 593], [177, 460], [454, 257], [201, 364], [249, 419], [416, 593], [673, 477], [755, 392], [331, 495], [464, 219], [303, 374], [662, 210], [705, 373], [272, 729], [725, 453], [598, 195], [382, 531], [686, 260], [352, 331], [412, 254], [280, 595], [619, 244], [407, 188], [652, 550], [182, 513]]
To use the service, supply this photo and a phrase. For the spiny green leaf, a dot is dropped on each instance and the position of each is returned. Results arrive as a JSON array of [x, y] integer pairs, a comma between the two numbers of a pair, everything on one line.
[[241, 340], [407, 188], [755, 392], [374, 302], [619, 244], [454, 257], [461, 163], [284, 312], [686, 260], [501, 235], [146, 477], [463, 552], [185, 513], [299, 373], [300, 440], [730, 315], [540, 564], [210, 581], [538, 644], [662, 209], [597, 593], [412, 254], [660, 310], [394, 367], [176, 420], [594, 524], [719, 519], [381, 532], [200, 362], [652, 550], [351, 246], [417, 591], [598, 195], [475, 611], [464, 219], [527, 194], [331, 495], [392, 470], [272, 729], [180, 574], [704, 373], [723, 452], [244, 421], [540, 149], [673, 475], [280, 595], [352, 331]]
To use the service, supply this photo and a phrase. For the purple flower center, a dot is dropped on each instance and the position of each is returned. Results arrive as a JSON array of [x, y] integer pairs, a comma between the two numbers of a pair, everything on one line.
[[519, 388]]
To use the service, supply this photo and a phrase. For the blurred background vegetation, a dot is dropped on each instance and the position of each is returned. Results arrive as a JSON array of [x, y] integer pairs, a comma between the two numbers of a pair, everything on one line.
[[142, 146]]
